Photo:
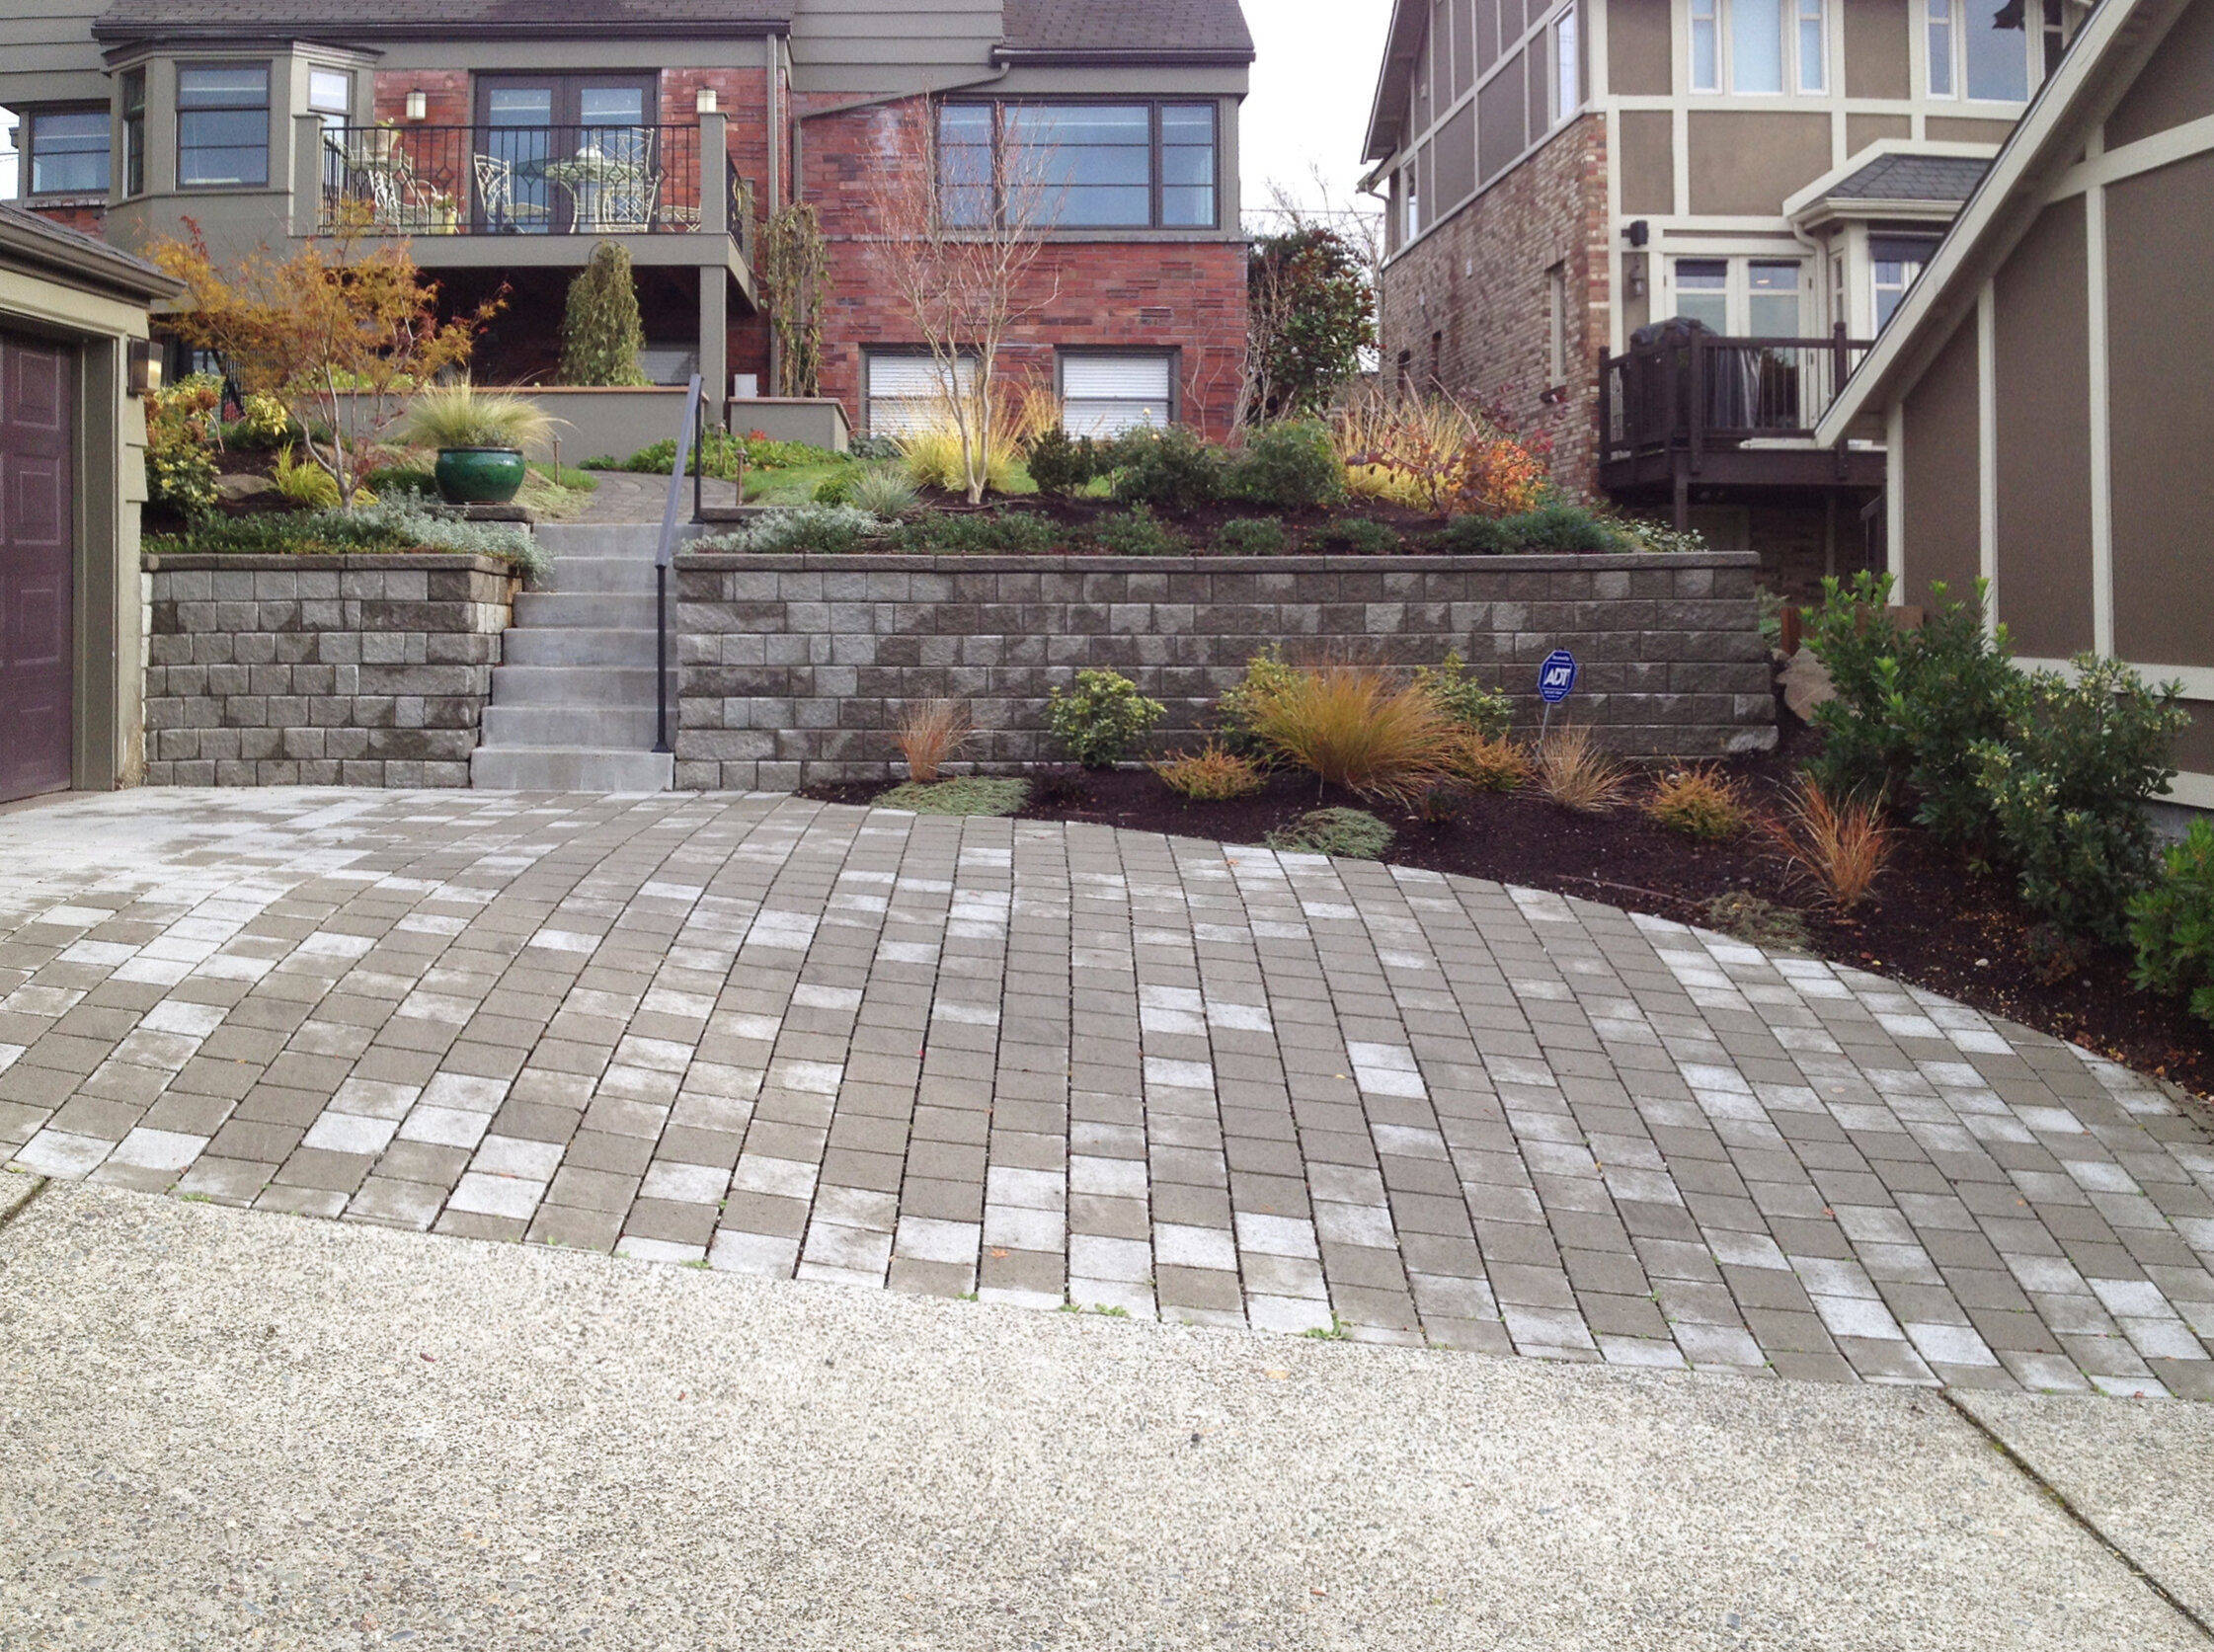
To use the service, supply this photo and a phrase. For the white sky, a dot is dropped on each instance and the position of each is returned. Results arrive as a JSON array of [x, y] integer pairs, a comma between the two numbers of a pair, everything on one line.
[[1311, 97]]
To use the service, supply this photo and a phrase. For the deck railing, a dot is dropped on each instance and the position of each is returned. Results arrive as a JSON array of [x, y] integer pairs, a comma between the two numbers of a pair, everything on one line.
[[1689, 389], [591, 180]]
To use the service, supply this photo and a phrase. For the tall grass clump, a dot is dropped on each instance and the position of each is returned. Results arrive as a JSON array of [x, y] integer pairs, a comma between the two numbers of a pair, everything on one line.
[[929, 734], [1435, 453], [461, 414], [1700, 802], [1576, 772], [1840, 845], [1356, 727], [931, 452]]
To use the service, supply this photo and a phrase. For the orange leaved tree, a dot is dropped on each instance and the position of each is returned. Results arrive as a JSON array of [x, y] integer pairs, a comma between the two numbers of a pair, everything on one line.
[[342, 337]]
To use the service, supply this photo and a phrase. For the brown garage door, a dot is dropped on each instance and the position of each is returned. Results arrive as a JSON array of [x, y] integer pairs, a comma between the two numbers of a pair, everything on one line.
[[36, 530]]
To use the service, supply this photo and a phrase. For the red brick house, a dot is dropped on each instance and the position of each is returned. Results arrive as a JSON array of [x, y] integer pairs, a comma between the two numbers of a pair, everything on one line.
[[506, 138]]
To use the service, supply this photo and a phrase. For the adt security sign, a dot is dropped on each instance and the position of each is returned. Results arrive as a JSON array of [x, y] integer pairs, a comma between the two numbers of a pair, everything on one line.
[[1556, 677]]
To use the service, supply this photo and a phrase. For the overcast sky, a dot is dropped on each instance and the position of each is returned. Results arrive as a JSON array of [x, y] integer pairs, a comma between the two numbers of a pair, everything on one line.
[[1311, 90]]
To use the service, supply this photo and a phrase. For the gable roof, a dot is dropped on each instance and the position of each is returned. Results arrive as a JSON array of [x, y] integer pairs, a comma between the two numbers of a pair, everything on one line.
[[1387, 114], [76, 259], [2100, 64], [130, 19], [1914, 177], [1137, 31]]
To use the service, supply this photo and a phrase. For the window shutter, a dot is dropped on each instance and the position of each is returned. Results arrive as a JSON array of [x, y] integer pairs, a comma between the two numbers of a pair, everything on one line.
[[1106, 395], [905, 392]]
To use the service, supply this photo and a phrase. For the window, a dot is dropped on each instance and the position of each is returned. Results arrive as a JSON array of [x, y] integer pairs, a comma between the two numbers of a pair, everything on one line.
[[135, 132], [1985, 52], [222, 125], [68, 151], [1744, 297], [1411, 207], [330, 94], [1557, 326], [1095, 166], [1703, 292], [1106, 395], [904, 390], [1771, 299], [1894, 261], [1759, 48], [1568, 69], [2056, 36]]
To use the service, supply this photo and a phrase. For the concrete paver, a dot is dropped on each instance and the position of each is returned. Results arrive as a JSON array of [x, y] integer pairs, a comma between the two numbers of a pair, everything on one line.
[[1044, 1065]]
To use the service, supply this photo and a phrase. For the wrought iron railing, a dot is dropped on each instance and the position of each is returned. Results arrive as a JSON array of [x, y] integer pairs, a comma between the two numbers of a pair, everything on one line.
[[1688, 388], [589, 179]]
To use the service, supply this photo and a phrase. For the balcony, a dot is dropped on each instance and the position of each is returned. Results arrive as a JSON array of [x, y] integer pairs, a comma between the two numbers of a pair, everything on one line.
[[528, 195], [1688, 407]]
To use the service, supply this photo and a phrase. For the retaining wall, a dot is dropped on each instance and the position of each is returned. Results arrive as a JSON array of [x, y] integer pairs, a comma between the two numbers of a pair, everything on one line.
[[794, 670], [285, 670]]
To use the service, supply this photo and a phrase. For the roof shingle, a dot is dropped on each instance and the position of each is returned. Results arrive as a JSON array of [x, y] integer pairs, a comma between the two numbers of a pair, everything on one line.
[[1135, 28], [1915, 178], [131, 17]]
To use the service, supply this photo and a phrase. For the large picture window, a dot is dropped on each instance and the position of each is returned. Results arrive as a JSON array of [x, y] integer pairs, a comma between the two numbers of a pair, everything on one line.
[[1759, 48], [222, 125], [1093, 166], [1982, 52], [69, 151]]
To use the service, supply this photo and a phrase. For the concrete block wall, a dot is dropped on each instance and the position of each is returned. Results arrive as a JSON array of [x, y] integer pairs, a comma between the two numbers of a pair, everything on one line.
[[795, 670], [355, 670]]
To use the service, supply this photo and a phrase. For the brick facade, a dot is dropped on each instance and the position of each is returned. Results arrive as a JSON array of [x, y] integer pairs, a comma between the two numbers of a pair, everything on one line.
[[1467, 309], [794, 670]]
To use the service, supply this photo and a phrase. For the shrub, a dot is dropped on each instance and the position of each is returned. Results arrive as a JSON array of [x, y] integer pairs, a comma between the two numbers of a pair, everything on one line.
[[180, 469], [1433, 453], [1311, 308], [1467, 702], [1064, 464], [1171, 468], [601, 333], [882, 490], [1139, 532], [832, 529], [390, 479], [391, 525], [2067, 791], [1576, 772], [1211, 775], [306, 485], [267, 423], [1239, 709], [1360, 537], [1840, 847], [1557, 528], [1286, 467], [836, 490], [722, 454], [1250, 536], [1660, 537], [463, 415], [929, 734], [990, 532], [971, 794], [1354, 726], [1747, 917], [1487, 763], [1911, 705], [1348, 834], [608, 461], [1470, 536], [2172, 924], [1701, 803], [872, 449], [1102, 717]]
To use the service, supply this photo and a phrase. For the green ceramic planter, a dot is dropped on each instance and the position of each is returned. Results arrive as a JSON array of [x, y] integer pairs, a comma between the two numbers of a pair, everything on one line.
[[479, 475]]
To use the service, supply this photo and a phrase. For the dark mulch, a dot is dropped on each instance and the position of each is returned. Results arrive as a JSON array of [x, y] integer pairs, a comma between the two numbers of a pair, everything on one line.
[[1933, 922], [1305, 530]]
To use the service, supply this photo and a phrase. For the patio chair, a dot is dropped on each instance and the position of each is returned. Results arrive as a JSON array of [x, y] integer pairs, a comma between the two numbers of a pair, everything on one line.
[[495, 196]]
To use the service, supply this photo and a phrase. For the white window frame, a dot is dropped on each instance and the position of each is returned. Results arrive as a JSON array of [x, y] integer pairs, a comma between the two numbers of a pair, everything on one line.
[[872, 401], [1567, 66], [1803, 34], [1737, 288], [1410, 204], [1944, 34]]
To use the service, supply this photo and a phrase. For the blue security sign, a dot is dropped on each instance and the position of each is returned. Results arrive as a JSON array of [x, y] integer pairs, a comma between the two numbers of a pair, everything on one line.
[[1556, 677]]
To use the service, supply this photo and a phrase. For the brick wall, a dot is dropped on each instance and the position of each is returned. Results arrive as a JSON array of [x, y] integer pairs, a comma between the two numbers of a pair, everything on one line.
[[1183, 296], [1468, 305], [359, 671], [794, 670], [83, 217]]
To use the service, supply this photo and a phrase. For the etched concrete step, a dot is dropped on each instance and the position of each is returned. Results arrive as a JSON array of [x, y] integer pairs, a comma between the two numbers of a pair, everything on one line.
[[575, 576], [578, 645], [585, 727], [567, 685], [533, 768]]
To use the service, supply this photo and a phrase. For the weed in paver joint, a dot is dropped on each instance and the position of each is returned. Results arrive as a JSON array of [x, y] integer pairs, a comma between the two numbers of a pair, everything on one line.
[[1336, 1332], [964, 1295], [195, 1199]]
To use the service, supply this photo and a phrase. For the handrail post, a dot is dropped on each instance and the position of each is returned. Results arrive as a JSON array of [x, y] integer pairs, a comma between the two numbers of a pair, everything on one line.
[[662, 555]]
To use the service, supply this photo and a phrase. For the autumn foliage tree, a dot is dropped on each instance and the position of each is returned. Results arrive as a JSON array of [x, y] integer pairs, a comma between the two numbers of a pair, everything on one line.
[[342, 337]]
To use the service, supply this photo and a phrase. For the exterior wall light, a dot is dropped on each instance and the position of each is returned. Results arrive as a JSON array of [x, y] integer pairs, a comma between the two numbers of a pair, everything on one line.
[[704, 100], [143, 368], [419, 105]]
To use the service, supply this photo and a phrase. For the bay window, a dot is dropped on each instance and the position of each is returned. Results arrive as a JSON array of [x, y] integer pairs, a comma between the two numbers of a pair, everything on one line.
[[222, 125], [1090, 166]]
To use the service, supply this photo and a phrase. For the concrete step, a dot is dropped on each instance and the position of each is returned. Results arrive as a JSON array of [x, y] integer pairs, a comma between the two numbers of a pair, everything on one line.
[[580, 575], [612, 686], [570, 769], [631, 541], [616, 728], [615, 610], [578, 645]]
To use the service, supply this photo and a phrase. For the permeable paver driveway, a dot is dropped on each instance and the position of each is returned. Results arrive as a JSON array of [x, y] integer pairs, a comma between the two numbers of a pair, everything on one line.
[[1047, 1064]]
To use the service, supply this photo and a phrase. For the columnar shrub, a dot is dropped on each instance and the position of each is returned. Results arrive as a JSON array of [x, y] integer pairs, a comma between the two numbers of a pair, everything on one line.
[[602, 334]]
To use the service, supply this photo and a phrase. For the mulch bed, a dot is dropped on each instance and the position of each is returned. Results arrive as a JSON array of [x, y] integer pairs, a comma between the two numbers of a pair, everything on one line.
[[1932, 922], [1304, 530]]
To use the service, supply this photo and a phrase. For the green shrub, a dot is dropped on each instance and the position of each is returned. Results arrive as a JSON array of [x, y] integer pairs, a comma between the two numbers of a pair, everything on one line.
[[2068, 788], [2172, 924], [1359, 537], [1171, 468], [1250, 536], [268, 424], [1100, 719], [1481, 710], [872, 449], [722, 452], [1911, 705], [882, 490], [1241, 709], [180, 465], [971, 794], [389, 480], [1660, 537], [990, 533], [835, 489], [608, 461], [1286, 467], [1556, 529], [1348, 834], [1063, 464], [827, 529], [600, 332], [1470, 536], [1139, 532], [404, 524]]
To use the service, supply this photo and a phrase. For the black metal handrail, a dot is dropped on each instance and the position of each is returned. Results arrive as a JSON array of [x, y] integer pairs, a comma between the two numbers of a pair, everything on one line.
[[687, 437], [572, 179], [1691, 389]]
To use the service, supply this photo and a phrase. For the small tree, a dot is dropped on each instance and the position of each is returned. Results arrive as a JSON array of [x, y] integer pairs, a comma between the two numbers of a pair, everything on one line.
[[341, 340], [961, 262], [795, 271], [600, 333], [1313, 312]]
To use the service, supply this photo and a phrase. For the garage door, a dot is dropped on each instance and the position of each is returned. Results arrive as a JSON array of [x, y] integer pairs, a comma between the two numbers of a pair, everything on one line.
[[35, 532], [1106, 395]]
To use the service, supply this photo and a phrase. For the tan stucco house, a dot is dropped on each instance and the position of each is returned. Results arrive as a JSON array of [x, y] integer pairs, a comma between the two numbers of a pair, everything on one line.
[[2043, 392], [72, 475]]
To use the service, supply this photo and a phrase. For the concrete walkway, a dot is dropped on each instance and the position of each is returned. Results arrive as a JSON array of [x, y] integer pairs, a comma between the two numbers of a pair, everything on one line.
[[633, 497], [1044, 1065]]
